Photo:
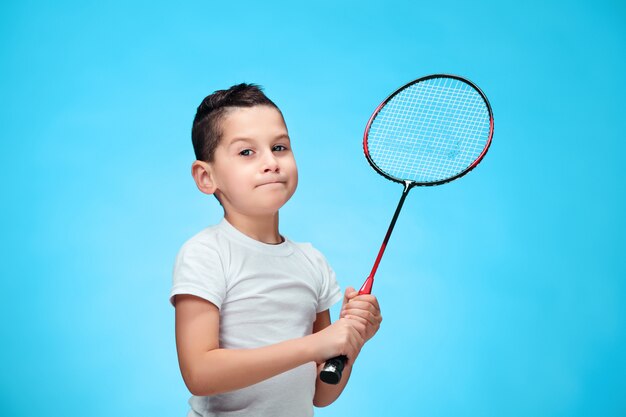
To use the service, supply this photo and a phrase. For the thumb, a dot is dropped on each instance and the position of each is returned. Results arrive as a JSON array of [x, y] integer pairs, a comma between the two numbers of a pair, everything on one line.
[[349, 295]]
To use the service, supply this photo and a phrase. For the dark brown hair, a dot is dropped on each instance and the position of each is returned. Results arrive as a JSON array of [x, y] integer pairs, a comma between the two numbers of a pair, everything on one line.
[[206, 131]]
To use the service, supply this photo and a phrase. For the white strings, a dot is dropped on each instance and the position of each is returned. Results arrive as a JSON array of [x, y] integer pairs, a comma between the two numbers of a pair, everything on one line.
[[431, 131]]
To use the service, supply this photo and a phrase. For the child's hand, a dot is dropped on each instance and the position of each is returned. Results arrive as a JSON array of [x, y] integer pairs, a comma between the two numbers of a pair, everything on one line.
[[364, 309], [343, 337]]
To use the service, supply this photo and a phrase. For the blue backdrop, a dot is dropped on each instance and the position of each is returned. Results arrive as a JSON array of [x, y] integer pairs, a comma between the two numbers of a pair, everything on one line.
[[503, 293]]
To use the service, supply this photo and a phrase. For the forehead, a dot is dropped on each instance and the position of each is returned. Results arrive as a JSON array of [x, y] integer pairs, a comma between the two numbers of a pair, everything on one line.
[[251, 122]]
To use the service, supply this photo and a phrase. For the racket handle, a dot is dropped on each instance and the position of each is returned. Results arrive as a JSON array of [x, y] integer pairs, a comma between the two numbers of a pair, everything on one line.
[[333, 368], [331, 373]]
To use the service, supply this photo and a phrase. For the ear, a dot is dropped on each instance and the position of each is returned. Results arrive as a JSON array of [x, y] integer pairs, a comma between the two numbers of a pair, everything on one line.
[[203, 176]]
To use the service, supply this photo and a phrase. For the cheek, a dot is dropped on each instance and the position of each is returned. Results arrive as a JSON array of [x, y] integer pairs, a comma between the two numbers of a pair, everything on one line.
[[292, 167], [294, 177], [237, 182]]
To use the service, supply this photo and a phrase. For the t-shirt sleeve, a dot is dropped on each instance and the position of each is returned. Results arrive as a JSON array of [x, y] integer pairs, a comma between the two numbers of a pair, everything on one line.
[[329, 292], [198, 271]]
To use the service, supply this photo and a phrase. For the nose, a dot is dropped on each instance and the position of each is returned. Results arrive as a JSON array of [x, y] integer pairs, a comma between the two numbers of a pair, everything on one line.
[[270, 163]]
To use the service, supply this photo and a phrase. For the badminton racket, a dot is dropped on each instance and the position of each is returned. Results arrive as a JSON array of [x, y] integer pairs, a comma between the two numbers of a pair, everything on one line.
[[430, 131]]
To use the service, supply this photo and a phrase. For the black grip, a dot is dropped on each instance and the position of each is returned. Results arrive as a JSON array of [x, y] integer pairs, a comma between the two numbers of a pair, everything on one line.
[[333, 368]]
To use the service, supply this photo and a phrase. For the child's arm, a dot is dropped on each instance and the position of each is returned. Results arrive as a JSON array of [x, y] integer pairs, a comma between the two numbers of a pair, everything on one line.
[[362, 308], [208, 370]]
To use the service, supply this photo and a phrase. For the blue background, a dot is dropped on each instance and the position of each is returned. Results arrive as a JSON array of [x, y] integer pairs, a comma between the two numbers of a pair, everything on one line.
[[503, 293]]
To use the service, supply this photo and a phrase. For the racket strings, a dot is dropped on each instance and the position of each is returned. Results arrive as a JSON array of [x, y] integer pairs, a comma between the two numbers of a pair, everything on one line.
[[430, 131]]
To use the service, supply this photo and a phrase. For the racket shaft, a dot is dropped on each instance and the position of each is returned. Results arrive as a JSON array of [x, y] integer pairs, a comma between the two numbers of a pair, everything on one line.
[[369, 282], [333, 368]]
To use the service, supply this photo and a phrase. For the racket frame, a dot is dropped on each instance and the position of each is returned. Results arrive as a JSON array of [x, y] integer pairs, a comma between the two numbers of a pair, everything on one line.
[[398, 91]]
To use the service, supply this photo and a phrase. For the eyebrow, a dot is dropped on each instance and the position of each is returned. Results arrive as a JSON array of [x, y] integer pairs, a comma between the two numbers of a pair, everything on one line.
[[250, 140]]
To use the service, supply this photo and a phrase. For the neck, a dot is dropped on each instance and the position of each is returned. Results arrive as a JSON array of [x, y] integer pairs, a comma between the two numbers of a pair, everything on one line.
[[261, 228]]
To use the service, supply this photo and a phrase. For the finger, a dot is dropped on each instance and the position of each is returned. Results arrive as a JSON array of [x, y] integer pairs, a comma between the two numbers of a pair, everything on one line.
[[370, 329], [352, 336], [372, 322], [360, 327], [361, 305], [368, 298], [349, 294], [356, 342], [366, 316], [361, 320]]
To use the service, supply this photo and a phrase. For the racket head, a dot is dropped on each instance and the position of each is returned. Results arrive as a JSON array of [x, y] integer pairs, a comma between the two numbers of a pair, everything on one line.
[[430, 131]]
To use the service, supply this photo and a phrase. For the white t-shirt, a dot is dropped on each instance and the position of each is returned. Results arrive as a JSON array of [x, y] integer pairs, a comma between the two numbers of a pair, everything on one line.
[[266, 294]]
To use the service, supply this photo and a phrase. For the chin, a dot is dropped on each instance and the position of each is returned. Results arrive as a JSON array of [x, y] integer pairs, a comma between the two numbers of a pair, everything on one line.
[[272, 206]]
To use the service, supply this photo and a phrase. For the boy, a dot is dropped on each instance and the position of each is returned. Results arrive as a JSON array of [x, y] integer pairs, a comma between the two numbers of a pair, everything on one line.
[[252, 306]]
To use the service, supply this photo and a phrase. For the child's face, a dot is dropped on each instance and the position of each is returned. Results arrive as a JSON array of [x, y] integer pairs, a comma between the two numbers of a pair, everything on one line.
[[254, 169]]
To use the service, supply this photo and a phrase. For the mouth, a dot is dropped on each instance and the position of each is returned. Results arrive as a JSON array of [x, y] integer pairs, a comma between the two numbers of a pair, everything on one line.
[[277, 182]]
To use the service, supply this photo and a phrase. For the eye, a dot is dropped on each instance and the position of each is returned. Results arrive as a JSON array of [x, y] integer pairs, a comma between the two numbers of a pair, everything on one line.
[[246, 152], [279, 148]]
